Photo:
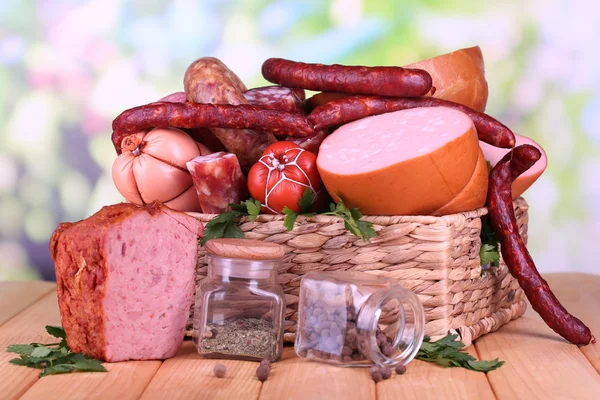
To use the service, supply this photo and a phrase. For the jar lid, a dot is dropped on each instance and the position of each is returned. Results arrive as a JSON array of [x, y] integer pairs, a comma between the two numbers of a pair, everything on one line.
[[246, 249]]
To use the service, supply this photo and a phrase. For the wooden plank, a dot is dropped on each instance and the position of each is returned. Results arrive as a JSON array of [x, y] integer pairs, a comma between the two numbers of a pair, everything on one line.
[[187, 376], [28, 326], [17, 296], [124, 380], [424, 381], [580, 294], [539, 363], [295, 378]]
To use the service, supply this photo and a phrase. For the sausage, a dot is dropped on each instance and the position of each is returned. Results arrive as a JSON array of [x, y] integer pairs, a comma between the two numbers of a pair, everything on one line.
[[514, 251], [219, 181], [193, 115], [208, 80], [384, 81], [341, 111], [310, 143], [322, 98], [177, 97], [274, 98]]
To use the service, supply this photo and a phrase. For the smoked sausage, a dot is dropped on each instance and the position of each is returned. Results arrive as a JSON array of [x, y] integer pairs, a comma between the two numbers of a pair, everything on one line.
[[348, 109], [208, 80], [384, 81], [194, 115], [514, 251]]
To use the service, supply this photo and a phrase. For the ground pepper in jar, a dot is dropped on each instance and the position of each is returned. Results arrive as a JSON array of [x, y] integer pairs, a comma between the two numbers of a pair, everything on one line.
[[357, 319], [240, 306]]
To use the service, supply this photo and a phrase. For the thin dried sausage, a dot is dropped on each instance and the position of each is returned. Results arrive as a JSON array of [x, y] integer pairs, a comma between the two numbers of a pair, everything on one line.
[[193, 115], [515, 252], [384, 81], [341, 111]]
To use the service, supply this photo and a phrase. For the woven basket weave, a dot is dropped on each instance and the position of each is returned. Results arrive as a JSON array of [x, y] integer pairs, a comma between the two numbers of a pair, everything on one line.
[[435, 257]]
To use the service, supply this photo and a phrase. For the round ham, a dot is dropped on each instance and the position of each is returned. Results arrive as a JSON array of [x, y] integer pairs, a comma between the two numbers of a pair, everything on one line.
[[409, 162], [526, 179]]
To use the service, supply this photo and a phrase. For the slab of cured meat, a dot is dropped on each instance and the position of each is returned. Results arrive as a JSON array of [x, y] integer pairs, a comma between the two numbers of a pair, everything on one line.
[[125, 280], [409, 162]]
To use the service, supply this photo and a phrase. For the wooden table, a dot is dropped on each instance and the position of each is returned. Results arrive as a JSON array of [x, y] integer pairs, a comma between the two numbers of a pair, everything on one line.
[[539, 364]]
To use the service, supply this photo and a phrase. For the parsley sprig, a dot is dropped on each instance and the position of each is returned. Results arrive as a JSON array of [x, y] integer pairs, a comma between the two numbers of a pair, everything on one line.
[[447, 353], [489, 253], [53, 358], [224, 224]]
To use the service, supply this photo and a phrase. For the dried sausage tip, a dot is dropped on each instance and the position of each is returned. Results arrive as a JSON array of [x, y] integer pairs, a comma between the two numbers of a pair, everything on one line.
[[348, 109], [384, 81], [514, 251]]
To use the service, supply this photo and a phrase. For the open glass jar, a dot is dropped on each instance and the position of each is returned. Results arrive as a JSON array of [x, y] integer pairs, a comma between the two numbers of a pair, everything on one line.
[[240, 306], [357, 319]]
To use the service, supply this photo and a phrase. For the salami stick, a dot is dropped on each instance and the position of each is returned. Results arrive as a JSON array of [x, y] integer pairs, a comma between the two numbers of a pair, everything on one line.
[[341, 111], [274, 98], [384, 81], [514, 251], [194, 115]]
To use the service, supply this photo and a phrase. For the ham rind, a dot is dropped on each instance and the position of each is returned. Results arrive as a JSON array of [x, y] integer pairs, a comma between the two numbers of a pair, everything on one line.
[[527, 178], [125, 280], [409, 162], [218, 180]]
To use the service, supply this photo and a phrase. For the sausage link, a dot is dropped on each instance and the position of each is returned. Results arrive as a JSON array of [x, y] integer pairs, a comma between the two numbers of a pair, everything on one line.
[[208, 80], [341, 111], [384, 81], [274, 98], [514, 251], [193, 115]]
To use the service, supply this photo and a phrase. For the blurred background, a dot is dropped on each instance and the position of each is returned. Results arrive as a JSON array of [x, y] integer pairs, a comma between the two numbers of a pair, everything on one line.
[[68, 67]]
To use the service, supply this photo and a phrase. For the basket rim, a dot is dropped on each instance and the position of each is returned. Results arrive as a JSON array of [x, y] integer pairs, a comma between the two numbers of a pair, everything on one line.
[[375, 219]]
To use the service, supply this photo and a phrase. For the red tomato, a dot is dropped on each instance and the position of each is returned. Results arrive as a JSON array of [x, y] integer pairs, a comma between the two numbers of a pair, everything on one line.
[[281, 175]]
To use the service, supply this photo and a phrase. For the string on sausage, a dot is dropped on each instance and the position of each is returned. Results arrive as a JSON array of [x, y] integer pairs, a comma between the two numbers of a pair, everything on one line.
[[515, 253], [195, 115], [344, 110], [384, 81]]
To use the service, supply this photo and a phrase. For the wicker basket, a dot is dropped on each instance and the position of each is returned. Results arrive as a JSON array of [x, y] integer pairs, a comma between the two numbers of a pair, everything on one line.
[[435, 257]]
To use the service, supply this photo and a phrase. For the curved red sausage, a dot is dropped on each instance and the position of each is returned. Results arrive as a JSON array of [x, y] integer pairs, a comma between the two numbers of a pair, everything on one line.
[[515, 252], [341, 111], [384, 81], [194, 115]]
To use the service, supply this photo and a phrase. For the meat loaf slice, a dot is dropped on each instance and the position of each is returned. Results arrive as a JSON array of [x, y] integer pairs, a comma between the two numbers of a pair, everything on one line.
[[125, 280]]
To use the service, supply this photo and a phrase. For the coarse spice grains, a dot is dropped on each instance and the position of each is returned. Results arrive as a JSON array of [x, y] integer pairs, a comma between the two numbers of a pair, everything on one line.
[[244, 337]]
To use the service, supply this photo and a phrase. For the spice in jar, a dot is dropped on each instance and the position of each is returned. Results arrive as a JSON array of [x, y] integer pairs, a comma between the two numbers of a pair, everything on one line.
[[357, 319], [241, 336], [240, 306]]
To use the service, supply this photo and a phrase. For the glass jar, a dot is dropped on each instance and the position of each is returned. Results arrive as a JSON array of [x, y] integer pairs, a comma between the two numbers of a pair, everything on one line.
[[240, 306], [357, 319]]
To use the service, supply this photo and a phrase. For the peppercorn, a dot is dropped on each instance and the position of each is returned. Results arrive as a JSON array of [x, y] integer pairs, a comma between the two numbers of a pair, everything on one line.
[[386, 372], [262, 372], [400, 369], [219, 370]]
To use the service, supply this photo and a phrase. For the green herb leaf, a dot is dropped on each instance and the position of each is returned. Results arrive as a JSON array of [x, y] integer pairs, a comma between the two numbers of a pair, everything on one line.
[[53, 358], [40, 352], [446, 352], [56, 331], [352, 220], [489, 253], [290, 218], [20, 348], [233, 231], [253, 208], [218, 227], [89, 365], [307, 201]]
